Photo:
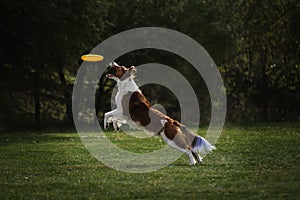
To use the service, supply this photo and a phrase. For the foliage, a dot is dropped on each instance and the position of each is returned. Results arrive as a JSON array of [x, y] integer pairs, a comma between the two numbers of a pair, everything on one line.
[[254, 43], [43, 41], [264, 70]]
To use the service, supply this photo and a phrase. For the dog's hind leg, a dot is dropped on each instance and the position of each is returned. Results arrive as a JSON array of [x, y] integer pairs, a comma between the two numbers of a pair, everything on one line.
[[198, 157], [190, 154]]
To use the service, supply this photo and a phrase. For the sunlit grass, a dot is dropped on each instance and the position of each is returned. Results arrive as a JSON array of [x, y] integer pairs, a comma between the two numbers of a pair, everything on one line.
[[259, 161]]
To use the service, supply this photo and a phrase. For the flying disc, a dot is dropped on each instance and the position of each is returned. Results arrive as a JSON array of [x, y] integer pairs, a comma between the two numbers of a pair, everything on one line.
[[92, 57]]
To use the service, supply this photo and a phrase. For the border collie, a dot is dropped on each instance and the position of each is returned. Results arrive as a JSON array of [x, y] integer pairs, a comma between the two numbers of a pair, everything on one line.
[[134, 108]]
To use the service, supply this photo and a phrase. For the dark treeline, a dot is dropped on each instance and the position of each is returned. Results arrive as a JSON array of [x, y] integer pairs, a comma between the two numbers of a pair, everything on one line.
[[255, 45]]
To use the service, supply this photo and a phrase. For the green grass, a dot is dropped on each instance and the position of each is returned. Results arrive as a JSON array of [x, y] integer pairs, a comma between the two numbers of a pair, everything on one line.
[[259, 161]]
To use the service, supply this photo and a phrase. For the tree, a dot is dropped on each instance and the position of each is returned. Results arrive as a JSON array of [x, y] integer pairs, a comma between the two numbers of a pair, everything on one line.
[[264, 70], [43, 42]]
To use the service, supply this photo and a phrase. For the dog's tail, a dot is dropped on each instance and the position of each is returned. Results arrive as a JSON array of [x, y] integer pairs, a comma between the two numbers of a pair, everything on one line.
[[201, 145], [198, 143]]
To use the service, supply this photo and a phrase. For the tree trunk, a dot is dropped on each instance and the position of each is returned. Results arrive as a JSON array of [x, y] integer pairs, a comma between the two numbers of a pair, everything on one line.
[[37, 103], [67, 95], [264, 85]]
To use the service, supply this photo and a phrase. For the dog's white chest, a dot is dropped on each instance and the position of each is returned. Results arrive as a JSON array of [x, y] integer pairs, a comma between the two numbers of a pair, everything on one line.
[[123, 88]]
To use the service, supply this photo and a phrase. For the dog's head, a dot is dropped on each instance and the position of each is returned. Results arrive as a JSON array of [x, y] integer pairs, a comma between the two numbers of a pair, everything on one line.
[[120, 73]]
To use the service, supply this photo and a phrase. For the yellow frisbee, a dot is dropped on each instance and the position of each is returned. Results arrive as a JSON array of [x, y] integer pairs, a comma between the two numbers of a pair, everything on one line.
[[92, 57]]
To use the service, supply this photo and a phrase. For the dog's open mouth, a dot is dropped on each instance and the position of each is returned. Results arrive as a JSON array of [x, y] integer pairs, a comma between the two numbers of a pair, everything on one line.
[[111, 72], [109, 75]]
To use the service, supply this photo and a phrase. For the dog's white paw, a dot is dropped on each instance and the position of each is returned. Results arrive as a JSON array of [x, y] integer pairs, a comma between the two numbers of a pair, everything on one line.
[[192, 161], [163, 122], [116, 127], [106, 126]]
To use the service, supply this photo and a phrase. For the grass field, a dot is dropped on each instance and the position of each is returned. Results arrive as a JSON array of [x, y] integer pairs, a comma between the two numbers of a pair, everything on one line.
[[259, 161]]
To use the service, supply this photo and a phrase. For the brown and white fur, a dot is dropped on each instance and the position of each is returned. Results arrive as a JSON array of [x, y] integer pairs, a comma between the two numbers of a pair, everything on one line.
[[134, 108]]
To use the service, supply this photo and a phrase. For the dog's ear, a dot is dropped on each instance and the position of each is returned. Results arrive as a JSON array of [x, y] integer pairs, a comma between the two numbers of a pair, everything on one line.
[[131, 68], [132, 71]]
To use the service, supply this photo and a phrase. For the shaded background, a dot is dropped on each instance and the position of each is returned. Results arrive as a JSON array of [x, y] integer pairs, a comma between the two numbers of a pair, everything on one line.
[[254, 43]]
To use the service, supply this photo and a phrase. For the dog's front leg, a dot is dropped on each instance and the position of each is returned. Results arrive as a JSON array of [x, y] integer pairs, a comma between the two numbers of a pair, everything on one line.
[[108, 118], [115, 117], [118, 120], [116, 124]]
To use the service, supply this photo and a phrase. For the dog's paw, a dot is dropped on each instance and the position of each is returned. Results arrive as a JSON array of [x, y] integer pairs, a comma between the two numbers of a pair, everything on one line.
[[116, 127], [192, 164], [106, 126], [163, 122]]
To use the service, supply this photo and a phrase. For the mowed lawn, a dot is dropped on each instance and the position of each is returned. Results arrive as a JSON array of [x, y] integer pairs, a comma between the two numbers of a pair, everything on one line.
[[258, 161]]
